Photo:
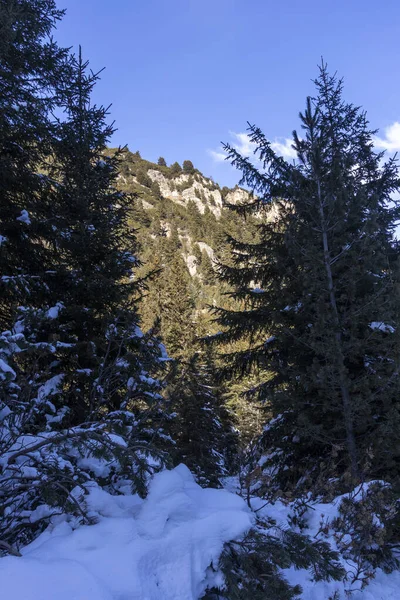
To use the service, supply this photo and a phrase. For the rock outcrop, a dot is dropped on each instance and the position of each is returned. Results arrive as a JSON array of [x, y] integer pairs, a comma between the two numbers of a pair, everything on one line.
[[198, 191]]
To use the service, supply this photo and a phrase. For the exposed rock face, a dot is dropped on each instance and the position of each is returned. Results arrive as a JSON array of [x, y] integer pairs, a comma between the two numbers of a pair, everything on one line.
[[208, 249], [166, 227], [191, 264], [240, 196], [189, 258], [162, 181], [237, 196], [147, 205], [198, 192]]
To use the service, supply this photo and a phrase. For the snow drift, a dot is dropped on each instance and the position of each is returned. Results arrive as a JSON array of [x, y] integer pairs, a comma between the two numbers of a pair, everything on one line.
[[159, 548], [166, 547]]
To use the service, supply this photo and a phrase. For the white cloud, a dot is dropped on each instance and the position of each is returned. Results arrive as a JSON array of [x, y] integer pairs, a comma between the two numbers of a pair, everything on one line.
[[391, 141], [241, 143], [284, 148], [217, 156]]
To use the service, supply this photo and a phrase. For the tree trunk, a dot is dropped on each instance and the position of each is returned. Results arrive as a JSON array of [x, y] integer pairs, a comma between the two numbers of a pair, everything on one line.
[[343, 380]]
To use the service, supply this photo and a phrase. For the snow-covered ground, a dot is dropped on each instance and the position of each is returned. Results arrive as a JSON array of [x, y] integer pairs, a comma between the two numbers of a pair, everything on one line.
[[382, 587], [160, 548], [157, 549]]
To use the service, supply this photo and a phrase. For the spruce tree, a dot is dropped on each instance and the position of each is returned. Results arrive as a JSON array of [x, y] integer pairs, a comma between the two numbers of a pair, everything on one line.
[[175, 169], [207, 269], [177, 327], [155, 190], [80, 379], [201, 427], [94, 258], [318, 297], [33, 73], [188, 167], [143, 178]]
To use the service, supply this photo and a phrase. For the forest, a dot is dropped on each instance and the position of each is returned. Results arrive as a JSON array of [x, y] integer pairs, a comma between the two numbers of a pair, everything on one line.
[[199, 385]]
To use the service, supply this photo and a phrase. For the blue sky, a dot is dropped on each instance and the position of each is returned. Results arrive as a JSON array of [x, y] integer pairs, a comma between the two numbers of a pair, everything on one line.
[[184, 75]]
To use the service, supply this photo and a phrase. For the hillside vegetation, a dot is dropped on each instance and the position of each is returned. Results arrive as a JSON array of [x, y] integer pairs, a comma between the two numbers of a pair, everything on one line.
[[199, 387], [183, 222]]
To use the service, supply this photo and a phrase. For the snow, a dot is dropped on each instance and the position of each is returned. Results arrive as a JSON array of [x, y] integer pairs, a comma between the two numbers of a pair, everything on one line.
[[295, 308], [33, 579], [163, 351], [165, 547], [382, 327], [383, 586], [24, 217], [157, 549], [51, 387], [5, 368], [53, 312]]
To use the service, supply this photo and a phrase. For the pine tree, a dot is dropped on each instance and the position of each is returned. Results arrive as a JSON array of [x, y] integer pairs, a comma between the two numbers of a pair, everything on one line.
[[33, 72], [254, 566], [318, 296], [201, 426], [175, 169], [177, 316], [96, 246], [155, 190], [207, 269], [196, 221], [143, 178], [151, 305], [188, 167], [80, 379], [162, 162]]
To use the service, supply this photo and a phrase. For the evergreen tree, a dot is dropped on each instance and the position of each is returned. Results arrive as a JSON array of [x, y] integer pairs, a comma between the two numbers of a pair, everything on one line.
[[162, 162], [224, 192], [201, 426], [168, 298], [175, 169], [33, 72], [197, 253], [196, 221], [207, 270], [177, 327], [91, 283], [253, 567], [143, 178], [155, 190], [80, 381], [319, 305], [151, 304], [188, 167]]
